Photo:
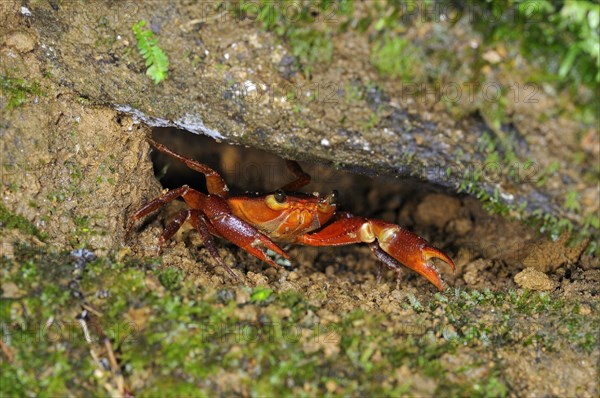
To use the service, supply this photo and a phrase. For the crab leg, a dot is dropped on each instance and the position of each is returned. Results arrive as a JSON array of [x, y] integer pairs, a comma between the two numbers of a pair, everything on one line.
[[386, 259], [200, 223], [155, 205], [389, 242], [172, 228], [246, 237], [301, 180], [220, 222], [214, 182]]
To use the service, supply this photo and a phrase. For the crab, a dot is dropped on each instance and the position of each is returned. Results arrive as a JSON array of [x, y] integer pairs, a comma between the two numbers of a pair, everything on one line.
[[258, 222]]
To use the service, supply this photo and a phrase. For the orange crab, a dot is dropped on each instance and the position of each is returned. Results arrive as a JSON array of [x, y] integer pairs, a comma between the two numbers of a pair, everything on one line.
[[256, 222]]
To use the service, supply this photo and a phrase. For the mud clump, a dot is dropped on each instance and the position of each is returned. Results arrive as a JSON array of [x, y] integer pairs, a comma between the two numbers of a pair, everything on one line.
[[548, 256], [532, 279], [21, 41]]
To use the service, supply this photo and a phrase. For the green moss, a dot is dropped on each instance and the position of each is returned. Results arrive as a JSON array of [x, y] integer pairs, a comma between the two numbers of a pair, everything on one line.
[[353, 92], [15, 221], [572, 202], [396, 57], [83, 231], [17, 91], [295, 23], [170, 387], [310, 46], [501, 157], [549, 171], [39, 327], [171, 278], [261, 294], [185, 339], [568, 29], [519, 317]]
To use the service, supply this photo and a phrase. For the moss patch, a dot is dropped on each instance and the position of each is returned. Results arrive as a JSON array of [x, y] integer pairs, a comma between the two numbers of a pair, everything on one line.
[[199, 341], [16, 91], [15, 221]]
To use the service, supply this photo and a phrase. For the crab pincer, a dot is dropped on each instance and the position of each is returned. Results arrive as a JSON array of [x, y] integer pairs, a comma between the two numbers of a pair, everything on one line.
[[392, 245]]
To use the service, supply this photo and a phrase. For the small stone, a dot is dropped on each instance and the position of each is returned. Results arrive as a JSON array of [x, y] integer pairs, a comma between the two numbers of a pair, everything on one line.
[[258, 279], [585, 310], [225, 295], [330, 271], [10, 290], [285, 313], [242, 296], [21, 41], [331, 386], [82, 257], [492, 57], [532, 279], [548, 256], [473, 271], [460, 226], [25, 11]]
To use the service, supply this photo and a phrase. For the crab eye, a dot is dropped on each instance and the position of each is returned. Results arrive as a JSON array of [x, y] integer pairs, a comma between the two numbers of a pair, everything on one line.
[[277, 201], [279, 196], [328, 204]]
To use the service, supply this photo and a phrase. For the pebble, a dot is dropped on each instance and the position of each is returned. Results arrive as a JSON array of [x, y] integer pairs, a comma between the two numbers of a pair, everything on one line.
[[532, 279], [437, 209], [21, 41], [293, 276], [330, 271], [242, 296]]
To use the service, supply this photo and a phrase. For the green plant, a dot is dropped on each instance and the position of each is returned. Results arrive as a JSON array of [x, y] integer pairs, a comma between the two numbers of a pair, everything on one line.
[[572, 202], [17, 90], [260, 294], [395, 57], [582, 18], [156, 59], [569, 29], [9, 220]]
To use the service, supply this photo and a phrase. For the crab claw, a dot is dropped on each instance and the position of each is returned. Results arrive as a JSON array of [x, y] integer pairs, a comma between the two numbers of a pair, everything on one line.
[[407, 248], [392, 244]]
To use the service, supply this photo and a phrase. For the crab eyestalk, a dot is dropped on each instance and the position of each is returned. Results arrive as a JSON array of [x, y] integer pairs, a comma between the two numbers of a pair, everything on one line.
[[409, 249]]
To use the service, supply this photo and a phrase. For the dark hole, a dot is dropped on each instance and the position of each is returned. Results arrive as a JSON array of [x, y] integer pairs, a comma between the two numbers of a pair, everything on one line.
[[252, 170]]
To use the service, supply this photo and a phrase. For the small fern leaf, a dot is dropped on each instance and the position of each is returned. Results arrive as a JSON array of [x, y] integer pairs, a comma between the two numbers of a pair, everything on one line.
[[157, 61]]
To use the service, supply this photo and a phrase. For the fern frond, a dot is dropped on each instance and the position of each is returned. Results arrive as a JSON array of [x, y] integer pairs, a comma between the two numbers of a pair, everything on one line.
[[156, 59]]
